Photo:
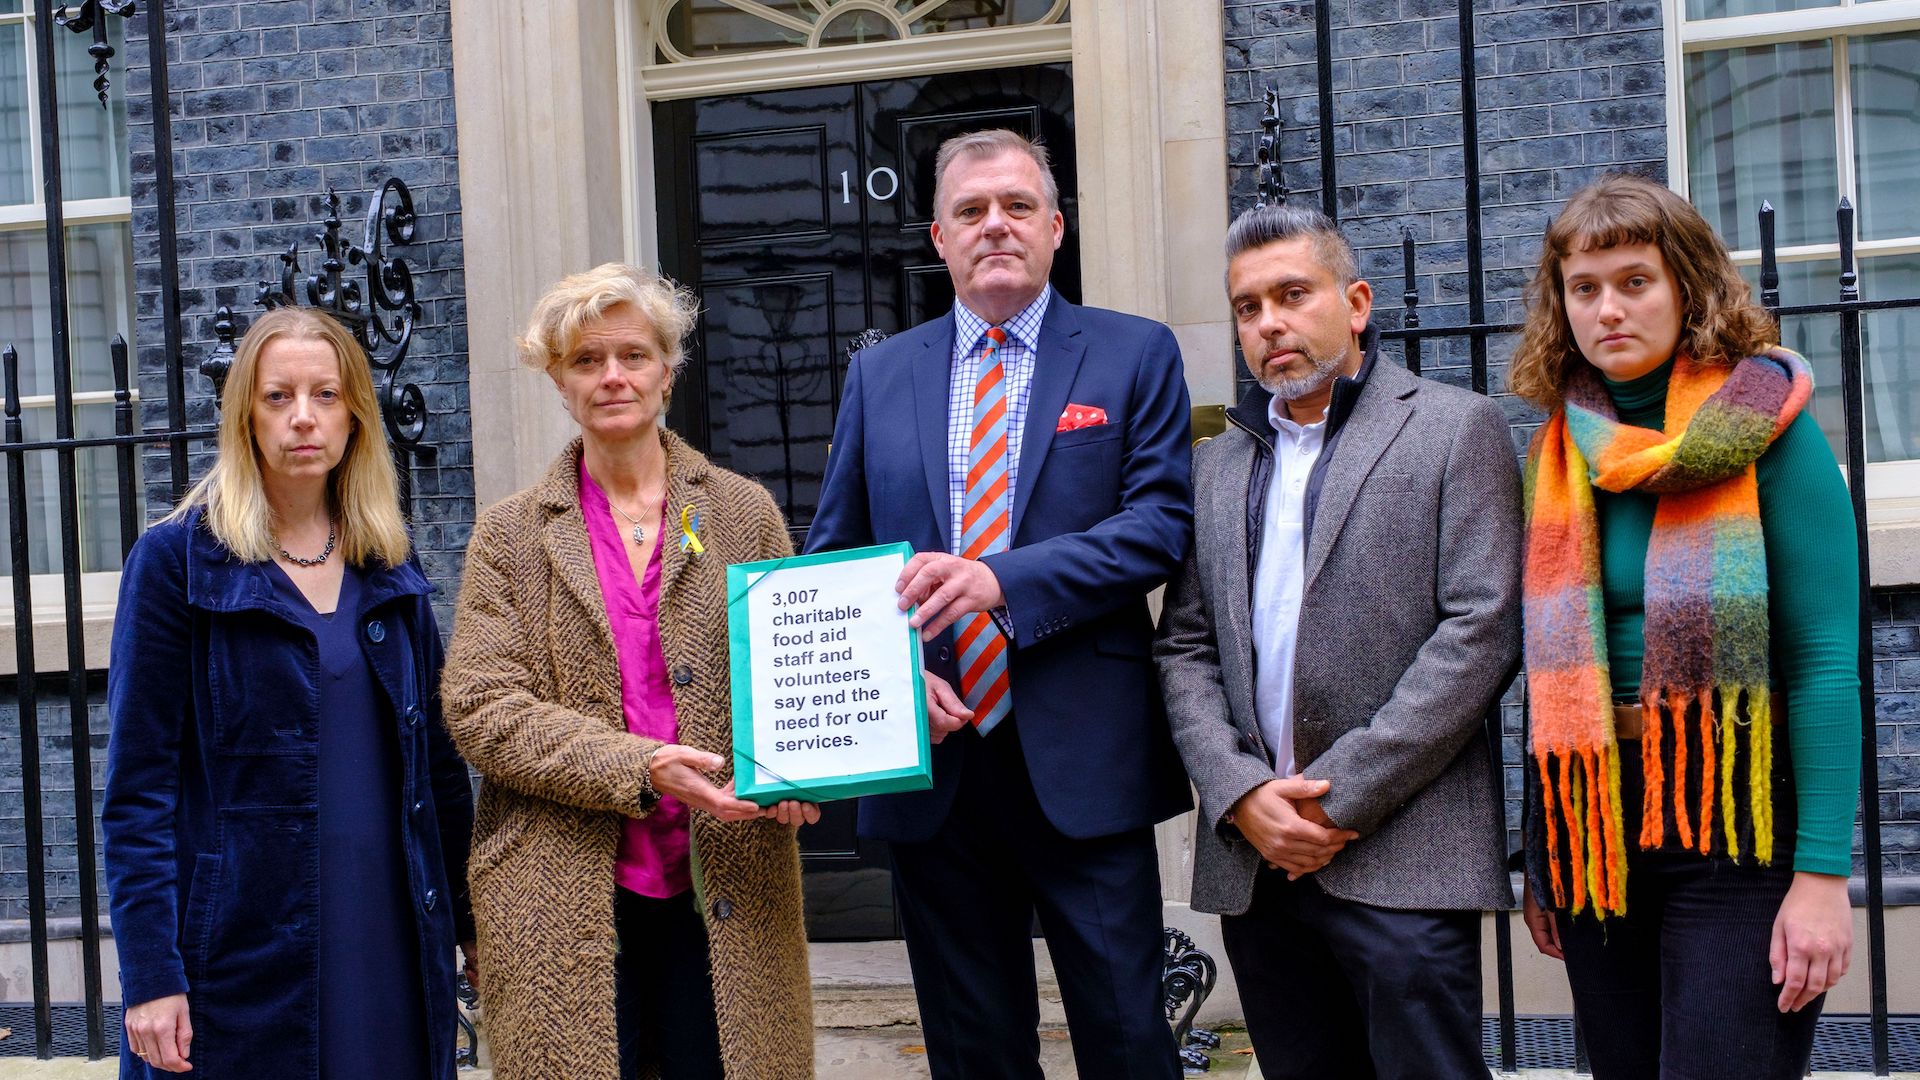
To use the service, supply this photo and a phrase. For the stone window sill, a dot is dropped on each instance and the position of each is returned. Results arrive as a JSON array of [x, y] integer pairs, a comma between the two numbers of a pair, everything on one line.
[[99, 594]]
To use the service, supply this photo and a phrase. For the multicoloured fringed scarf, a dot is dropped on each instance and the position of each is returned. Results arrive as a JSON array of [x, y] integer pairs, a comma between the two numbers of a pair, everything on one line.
[[1705, 678]]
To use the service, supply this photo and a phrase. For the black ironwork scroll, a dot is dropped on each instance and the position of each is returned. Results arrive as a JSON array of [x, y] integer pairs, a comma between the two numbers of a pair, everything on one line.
[[1273, 186], [91, 17], [1186, 982], [370, 290]]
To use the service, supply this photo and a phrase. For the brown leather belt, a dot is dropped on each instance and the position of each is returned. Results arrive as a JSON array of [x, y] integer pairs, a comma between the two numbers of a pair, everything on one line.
[[1630, 720]]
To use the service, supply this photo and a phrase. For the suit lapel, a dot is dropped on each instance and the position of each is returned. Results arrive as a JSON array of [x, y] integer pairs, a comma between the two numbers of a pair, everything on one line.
[[932, 383], [1377, 417], [1055, 366]]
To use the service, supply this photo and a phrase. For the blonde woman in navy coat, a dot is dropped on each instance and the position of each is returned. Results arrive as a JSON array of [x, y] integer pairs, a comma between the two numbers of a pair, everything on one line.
[[286, 821]]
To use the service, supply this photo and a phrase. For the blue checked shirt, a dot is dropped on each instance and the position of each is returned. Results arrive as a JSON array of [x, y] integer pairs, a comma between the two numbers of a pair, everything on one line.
[[1016, 356]]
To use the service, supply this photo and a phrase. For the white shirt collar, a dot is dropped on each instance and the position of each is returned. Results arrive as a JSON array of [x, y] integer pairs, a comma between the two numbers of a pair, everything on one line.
[[1277, 416]]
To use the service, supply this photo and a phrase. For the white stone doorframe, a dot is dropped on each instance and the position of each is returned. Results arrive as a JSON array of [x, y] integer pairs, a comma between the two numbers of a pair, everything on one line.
[[557, 174]]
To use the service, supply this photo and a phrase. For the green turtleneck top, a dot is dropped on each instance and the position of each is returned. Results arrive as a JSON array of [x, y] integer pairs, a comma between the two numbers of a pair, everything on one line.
[[1806, 517]]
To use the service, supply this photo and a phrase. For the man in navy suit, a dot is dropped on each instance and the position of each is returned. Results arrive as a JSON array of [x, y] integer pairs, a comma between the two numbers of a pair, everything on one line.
[[1036, 455]]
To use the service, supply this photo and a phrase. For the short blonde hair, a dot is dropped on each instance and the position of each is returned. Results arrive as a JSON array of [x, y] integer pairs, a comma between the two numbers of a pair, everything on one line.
[[364, 489], [578, 300]]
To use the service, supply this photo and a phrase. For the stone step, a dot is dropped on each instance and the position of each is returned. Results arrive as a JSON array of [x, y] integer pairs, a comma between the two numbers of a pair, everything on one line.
[[868, 984]]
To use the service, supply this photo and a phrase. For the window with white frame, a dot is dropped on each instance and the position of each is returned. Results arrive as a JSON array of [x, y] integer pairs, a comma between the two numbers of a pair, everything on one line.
[[704, 29], [1798, 103], [99, 252]]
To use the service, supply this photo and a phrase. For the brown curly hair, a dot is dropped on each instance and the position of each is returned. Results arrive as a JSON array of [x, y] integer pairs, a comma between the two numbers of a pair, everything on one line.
[[1721, 325]]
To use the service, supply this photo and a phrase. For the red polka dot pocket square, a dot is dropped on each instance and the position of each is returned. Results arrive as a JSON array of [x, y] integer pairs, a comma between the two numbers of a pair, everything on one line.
[[1075, 417]]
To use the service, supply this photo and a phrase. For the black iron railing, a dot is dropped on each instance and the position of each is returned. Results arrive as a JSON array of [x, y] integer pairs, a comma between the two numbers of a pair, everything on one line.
[[65, 445], [381, 312]]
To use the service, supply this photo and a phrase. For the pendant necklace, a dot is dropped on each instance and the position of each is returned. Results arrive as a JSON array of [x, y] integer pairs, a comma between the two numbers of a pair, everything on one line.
[[639, 533]]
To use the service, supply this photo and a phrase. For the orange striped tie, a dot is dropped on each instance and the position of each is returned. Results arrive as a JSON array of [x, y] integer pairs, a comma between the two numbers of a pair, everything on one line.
[[984, 522]]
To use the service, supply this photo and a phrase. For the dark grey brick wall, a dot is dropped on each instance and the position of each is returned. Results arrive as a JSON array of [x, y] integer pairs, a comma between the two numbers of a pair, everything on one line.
[[57, 795], [1896, 680], [1566, 91], [274, 103]]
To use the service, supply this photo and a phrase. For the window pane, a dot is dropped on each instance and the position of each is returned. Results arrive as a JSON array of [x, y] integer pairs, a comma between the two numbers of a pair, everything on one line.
[[98, 481], [93, 139], [16, 163], [1816, 337], [96, 484], [1888, 340], [857, 28], [981, 14], [714, 28], [1720, 9], [1760, 127], [99, 298], [701, 28], [99, 302], [1886, 110], [1891, 339], [24, 303]]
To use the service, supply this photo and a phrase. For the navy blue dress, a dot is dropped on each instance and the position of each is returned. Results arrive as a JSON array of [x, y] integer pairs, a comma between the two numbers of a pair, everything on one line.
[[372, 999]]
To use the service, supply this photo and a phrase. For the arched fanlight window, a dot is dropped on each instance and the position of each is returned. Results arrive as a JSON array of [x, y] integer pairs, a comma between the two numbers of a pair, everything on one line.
[[703, 29]]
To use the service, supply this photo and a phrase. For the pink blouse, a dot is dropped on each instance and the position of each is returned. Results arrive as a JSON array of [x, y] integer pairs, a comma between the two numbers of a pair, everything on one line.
[[652, 857]]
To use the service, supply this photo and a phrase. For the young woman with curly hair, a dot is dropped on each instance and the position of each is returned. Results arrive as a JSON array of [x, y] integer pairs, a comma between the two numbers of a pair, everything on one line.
[[1694, 723]]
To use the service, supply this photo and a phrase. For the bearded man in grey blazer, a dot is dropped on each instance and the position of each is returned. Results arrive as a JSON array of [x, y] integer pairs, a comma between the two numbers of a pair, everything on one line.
[[1350, 611]]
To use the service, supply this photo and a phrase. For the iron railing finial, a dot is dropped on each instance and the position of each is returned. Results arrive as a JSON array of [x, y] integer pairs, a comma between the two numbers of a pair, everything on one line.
[[1769, 261]]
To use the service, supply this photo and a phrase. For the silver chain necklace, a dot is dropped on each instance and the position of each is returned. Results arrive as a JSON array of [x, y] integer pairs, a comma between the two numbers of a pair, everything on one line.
[[332, 535], [639, 533]]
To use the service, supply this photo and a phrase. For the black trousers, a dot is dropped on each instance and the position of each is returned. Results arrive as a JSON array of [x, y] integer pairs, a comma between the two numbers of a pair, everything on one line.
[[968, 898], [1680, 987], [1334, 988], [663, 989]]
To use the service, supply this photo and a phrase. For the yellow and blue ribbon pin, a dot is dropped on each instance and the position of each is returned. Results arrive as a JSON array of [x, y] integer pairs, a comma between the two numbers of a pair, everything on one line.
[[690, 530]]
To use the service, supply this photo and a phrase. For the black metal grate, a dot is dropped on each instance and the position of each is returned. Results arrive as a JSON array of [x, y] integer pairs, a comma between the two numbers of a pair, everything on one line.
[[1545, 1042], [1846, 1043], [69, 1029], [1842, 1043]]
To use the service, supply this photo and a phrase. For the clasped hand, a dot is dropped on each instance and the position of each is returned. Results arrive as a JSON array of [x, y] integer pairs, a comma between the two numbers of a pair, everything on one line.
[[681, 771], [1283, 820]]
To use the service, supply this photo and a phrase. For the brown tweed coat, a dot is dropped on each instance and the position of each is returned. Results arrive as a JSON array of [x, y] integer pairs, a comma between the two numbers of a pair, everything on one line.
[[532, 697]]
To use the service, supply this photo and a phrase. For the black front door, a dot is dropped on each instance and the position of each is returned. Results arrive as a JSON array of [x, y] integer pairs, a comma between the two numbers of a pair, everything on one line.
[[800, 219]]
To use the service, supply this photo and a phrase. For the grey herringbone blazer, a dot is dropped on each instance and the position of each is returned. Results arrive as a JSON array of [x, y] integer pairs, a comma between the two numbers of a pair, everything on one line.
[[1409, 630]]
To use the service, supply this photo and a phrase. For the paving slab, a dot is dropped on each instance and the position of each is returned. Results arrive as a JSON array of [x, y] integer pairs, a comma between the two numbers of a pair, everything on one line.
[[859, 1054]]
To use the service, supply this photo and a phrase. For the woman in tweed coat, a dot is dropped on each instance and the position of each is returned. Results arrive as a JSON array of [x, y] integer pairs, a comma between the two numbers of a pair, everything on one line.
[[635, 918]]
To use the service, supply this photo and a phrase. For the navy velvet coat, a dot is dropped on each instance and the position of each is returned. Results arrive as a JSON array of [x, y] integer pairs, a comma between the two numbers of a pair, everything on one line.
[[210, 802]]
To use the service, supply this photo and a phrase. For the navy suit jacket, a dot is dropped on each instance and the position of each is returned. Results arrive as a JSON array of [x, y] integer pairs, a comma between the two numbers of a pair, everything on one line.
[[1101, 516]]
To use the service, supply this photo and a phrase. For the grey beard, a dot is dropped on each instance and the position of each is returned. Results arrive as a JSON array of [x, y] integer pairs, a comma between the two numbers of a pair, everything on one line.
[[1299, 386]]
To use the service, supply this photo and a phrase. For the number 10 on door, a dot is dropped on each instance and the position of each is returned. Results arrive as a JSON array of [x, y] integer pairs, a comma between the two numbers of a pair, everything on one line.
[[882, 174]]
